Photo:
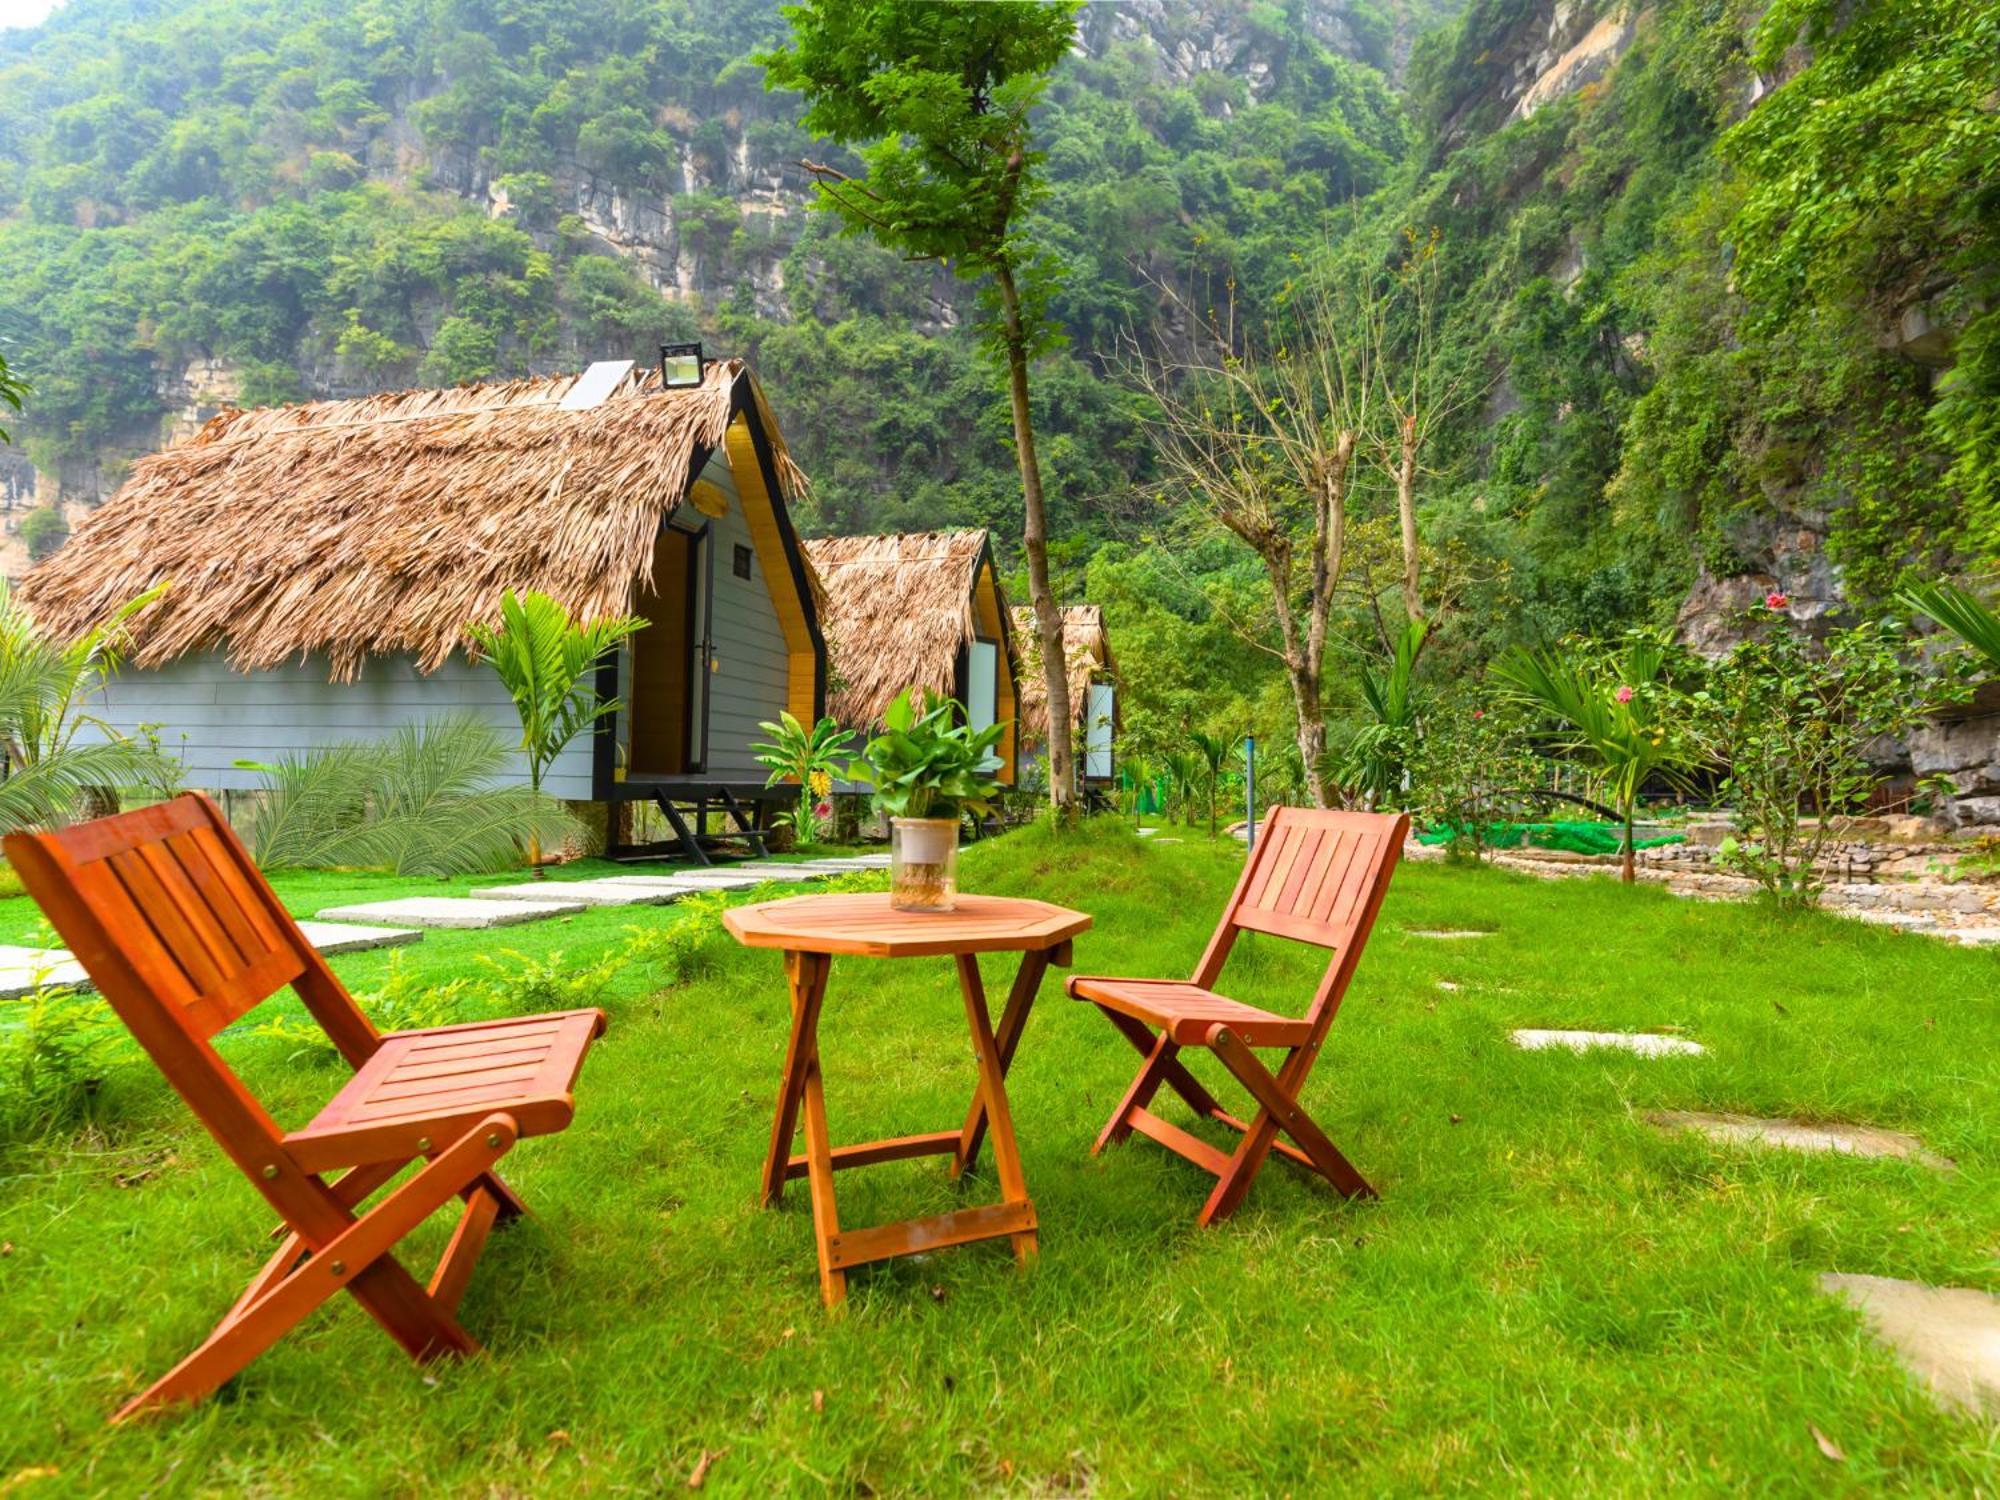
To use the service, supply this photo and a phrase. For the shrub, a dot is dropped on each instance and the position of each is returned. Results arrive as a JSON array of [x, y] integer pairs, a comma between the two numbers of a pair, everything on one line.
[[403, 1002], [683, 948], [55, 1045], [1469, 767], [1793, 723], [522, 985]]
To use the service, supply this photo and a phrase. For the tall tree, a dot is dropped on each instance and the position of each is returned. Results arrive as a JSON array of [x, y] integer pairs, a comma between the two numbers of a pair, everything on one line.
[[934, 99], [1259, 434]]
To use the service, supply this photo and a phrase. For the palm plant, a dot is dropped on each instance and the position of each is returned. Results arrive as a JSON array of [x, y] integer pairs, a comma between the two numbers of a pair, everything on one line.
[[1183, 768], [1960, 612], [426, 801], [546, 660], [44, 687], [807, 756], [1377, 755], [1214, 751], [1617, 712]]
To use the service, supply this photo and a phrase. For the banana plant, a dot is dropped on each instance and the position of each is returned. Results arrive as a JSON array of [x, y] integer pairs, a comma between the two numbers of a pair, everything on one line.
[[806, 756]]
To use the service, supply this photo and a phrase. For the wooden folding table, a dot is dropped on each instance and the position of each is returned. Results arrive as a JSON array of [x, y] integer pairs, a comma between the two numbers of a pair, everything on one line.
[[810, 930]]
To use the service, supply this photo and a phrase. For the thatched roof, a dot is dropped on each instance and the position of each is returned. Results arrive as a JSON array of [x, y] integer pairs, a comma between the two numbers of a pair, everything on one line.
[[898, 611], [387, 523], [1086, 651]]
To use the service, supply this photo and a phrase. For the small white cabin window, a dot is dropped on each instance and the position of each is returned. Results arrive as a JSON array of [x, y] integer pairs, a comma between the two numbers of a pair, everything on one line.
[[982, 684], [1098, 705]]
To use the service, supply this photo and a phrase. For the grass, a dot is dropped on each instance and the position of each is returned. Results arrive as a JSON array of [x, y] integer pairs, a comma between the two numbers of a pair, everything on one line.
[[1549, 1296]]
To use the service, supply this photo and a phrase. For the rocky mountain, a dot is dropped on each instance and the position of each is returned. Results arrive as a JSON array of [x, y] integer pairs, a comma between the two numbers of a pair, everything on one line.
[[299, 181]]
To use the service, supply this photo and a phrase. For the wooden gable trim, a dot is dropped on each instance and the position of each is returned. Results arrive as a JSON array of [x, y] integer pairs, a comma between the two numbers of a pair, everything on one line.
[[779, 554]]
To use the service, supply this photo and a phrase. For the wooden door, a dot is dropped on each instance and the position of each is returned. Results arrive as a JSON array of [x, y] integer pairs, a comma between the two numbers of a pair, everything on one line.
[[668, 706]]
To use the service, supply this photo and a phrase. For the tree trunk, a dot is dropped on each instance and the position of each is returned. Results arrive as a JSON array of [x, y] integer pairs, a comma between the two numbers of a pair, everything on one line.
[[1035, 541], [1630, 872], [1406, 511]]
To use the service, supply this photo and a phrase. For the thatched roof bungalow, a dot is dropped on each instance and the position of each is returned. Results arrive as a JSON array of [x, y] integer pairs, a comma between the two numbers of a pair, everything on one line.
[[922, 610], [323, 561], [1093, 686]]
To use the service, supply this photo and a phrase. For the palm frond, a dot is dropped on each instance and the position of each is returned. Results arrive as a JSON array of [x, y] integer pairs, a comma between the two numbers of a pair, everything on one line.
[[1964, 614], [44, 793]]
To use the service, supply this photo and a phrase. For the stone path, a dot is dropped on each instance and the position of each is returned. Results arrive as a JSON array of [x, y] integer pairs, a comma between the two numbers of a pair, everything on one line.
[[775, 870], [1946, 1336], [613, 892], [344, 937], [451, 911], [25, 970], [684, 881], [1797, 1135], [851, 862], [1644, 1043]]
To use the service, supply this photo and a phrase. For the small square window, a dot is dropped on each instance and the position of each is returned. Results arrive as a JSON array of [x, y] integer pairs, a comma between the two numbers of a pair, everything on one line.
[[742, 561]]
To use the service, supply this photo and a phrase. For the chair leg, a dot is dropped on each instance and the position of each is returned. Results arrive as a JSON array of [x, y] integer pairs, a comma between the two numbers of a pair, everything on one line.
[[359, 1259], [1162, 1065], [1282, 1109]]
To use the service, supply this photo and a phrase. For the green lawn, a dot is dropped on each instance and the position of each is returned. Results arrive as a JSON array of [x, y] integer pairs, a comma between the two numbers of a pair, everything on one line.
[[1549, 1296]]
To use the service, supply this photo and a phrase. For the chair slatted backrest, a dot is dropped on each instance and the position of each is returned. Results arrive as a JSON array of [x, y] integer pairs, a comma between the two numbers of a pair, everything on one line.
[[169, 916], [1317, 876]]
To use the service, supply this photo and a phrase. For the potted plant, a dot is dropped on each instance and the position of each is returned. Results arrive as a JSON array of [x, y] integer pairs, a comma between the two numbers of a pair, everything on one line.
[[928, 768]]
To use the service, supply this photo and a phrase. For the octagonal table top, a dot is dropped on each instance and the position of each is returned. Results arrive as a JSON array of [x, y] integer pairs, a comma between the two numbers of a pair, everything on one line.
[[866, 925]]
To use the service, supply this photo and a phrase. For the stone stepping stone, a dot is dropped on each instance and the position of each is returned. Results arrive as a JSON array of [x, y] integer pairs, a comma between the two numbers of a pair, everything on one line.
[[1797, 1135], [684, 881], [450, 911], [851, 862], [1644, 1043], [343, 937], [589, 892], [1907, 921], [25, 970], [1946, 1336], [1447, 934], [775, 870], [1970, 937]]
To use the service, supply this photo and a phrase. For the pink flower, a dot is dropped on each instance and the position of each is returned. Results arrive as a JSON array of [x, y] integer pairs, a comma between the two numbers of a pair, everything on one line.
[[822, 809], [1624, 693], [1777, 599], [1479, 713]]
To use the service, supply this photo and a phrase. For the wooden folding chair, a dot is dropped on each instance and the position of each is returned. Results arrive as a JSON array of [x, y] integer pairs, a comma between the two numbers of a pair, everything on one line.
[[1318, 877], [165, 910]]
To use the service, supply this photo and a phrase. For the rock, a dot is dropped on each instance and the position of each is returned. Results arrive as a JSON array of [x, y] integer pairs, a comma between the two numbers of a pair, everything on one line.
[[1799, 1135], [450, 911], [1948, 1337], [342, 937], [589, 892], [1644, 1043]]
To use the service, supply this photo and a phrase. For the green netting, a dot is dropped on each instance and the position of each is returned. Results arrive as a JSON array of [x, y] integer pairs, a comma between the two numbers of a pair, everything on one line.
[[1575, 838]]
